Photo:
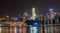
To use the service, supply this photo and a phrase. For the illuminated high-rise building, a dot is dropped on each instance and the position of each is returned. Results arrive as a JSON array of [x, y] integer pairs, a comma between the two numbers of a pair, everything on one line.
[[51, 13], [33, 13]]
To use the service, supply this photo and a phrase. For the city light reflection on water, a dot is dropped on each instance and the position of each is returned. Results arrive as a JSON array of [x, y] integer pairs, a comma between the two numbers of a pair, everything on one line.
[[0, 29], [32, 29], [15, 29]]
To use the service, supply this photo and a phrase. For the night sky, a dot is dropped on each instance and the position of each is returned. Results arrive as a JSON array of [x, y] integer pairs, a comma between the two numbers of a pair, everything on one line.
[[15, 7]]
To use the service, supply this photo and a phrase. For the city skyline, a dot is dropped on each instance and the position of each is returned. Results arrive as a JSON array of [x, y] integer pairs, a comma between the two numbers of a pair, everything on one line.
[[15, 7]]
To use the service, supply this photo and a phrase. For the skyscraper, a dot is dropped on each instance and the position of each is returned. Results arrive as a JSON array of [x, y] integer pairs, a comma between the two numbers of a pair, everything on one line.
[[33, 13]]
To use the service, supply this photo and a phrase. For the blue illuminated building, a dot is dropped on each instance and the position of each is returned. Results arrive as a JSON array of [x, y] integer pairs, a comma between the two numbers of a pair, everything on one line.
[[34, 22]]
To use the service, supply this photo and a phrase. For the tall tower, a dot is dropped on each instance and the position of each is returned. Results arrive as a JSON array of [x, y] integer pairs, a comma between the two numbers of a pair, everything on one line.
[[52, 13], [33, 13]]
